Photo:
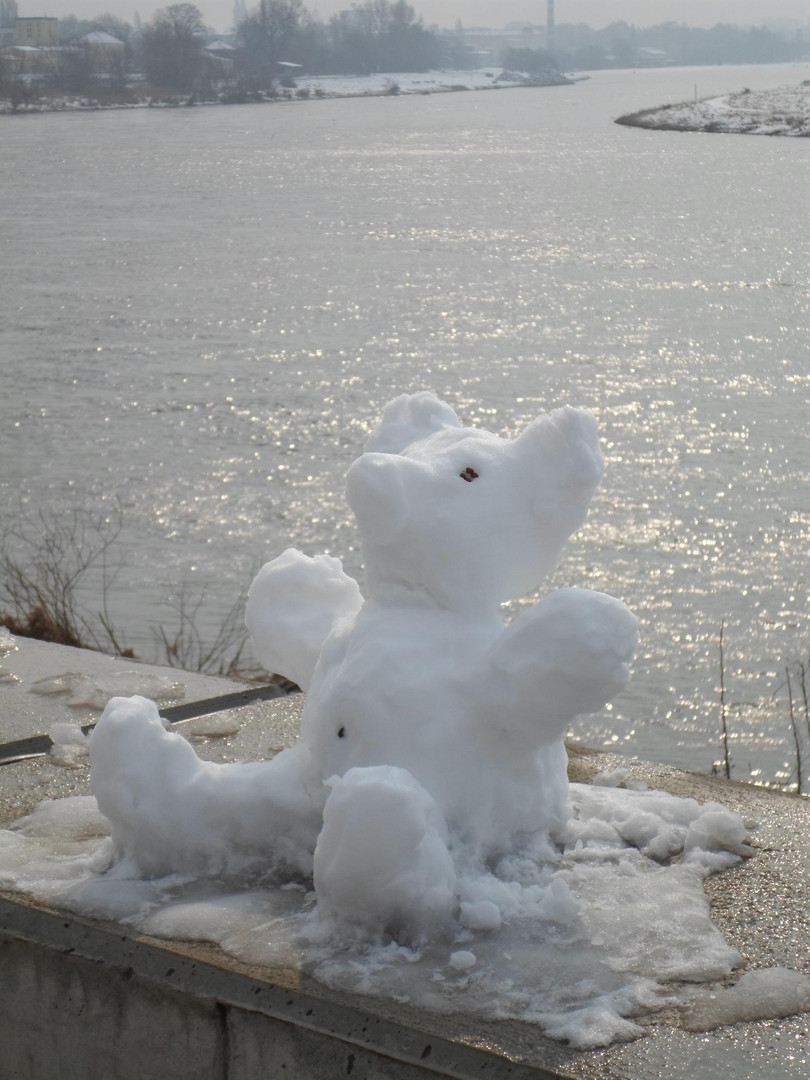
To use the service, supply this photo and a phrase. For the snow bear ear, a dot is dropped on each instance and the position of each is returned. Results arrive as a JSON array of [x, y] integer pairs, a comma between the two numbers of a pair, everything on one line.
[[376, 491], [564, 465], [408, 419]]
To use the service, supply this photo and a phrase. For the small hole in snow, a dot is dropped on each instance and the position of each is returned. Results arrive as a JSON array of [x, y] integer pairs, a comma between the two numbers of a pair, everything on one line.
[[342, 733]]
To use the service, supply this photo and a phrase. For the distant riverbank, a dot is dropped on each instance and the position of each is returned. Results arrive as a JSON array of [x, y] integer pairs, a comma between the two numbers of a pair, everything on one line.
[[308, 88], [784, 111]]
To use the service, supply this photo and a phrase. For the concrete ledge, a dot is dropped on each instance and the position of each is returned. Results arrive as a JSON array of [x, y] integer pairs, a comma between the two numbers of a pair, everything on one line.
[[82, 999]]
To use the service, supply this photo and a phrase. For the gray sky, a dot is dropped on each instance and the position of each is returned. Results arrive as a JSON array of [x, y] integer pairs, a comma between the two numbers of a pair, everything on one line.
[[218, 13]]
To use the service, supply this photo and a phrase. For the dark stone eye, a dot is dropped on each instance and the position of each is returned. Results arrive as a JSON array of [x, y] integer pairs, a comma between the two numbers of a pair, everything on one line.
[[469, 475], [342, 733]]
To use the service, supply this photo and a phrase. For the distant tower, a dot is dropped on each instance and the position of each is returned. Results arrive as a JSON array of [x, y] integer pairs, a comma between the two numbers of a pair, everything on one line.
[[239, 13], [8, 13], [550, 26]]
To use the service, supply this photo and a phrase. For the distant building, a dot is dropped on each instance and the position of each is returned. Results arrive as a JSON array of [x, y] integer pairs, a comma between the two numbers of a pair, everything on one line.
[[220, 56], [38, 31], [653, 58], [484, 45], [102, 46], [29, 45], [221, 49], [8, 15], [31, 63]]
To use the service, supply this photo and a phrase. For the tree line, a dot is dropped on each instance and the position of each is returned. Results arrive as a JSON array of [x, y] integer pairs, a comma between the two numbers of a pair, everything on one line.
[[168, 53], [274, 40], [620, 45]]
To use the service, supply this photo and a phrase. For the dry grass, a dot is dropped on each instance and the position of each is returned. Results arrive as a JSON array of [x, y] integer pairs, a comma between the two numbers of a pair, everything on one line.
[[46, 563]]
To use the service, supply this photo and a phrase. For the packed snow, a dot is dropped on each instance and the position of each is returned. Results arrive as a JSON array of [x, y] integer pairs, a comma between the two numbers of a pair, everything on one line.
[[421, 840], [784, 111]]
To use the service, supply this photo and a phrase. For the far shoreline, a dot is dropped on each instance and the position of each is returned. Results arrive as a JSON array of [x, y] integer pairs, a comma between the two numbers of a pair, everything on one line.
[[312, 88]]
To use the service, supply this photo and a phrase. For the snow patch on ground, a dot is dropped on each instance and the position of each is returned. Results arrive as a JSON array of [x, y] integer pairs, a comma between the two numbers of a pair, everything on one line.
[[82, 691], [428, 82], [764, 994], [783, 111]]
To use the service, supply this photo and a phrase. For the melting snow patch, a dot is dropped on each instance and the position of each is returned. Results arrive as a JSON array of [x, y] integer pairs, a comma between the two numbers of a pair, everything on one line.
[[7, 645], [83, 691], [7, 642], [70, 745], [581, 944], [764, 994]]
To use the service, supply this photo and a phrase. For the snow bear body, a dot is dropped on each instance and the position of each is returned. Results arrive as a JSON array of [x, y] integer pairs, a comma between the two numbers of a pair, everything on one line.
[[419, 695], [424, 675]]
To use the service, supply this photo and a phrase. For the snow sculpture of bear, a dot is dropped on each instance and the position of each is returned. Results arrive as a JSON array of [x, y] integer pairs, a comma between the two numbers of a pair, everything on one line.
[[430, 708]]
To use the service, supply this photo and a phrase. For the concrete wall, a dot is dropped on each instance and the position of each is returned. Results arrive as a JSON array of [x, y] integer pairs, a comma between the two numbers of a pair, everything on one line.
[[69, 1018], [84, 1001]]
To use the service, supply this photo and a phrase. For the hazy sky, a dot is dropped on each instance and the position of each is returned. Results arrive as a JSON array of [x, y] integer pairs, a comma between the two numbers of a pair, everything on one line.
[[597, 13]]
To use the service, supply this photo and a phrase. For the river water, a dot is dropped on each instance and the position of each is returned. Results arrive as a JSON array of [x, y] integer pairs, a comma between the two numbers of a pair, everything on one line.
[[204, 310]]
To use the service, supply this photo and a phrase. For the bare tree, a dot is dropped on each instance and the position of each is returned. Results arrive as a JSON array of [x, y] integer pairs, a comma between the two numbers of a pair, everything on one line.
[[184, 646], [262, 39], [172, 49], [51, 567], [75, 70], [378, 35]]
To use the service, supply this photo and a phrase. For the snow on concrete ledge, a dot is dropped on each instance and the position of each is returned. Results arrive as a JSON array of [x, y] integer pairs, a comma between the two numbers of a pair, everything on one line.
[[783, 111], [201, 1012]]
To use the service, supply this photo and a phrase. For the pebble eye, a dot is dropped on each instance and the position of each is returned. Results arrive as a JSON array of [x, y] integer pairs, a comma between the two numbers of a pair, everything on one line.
[[469, 475], [342, 733]]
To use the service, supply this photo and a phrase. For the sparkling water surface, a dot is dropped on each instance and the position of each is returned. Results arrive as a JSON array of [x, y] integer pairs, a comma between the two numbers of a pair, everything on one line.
[[204, 310]]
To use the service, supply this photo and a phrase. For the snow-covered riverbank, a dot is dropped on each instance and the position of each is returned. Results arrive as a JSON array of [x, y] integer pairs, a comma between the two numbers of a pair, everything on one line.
[[783, 111], [312, 87]]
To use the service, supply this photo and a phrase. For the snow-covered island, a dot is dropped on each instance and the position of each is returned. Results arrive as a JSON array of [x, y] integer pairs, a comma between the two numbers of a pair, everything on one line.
[[783, 111]]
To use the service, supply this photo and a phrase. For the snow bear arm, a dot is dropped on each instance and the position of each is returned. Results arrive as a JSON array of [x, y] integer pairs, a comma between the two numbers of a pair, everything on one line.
[[293, 606], [566, 655]]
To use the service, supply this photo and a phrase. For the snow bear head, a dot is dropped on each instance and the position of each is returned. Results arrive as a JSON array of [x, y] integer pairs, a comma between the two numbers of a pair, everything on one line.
[[462, 514]]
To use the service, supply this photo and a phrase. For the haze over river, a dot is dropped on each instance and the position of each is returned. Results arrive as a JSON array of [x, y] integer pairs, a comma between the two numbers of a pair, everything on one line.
[[205, 309]]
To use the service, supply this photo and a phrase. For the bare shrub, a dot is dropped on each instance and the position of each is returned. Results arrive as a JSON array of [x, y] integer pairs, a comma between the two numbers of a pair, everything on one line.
[[185, 646], [46, 562], [43, 562]]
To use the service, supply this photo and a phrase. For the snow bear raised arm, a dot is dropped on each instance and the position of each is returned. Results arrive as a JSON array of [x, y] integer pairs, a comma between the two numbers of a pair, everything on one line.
[[566, 655], [293, 606]]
